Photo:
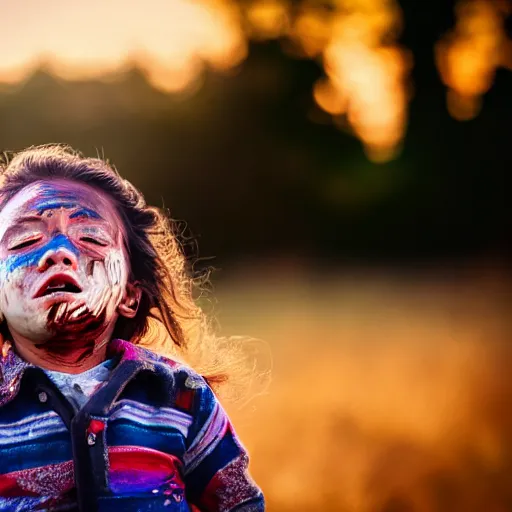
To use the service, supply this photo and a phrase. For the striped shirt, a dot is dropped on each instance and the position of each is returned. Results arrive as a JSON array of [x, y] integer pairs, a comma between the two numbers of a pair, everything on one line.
[[151, 436]]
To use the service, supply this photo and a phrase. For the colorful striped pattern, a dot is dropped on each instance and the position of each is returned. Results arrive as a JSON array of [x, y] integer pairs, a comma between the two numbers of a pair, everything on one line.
[[159, 458]]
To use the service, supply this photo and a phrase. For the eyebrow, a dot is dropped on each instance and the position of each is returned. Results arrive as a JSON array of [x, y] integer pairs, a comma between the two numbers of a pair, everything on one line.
[[54, 204], [34, 219], [86, 212], [26, 218]]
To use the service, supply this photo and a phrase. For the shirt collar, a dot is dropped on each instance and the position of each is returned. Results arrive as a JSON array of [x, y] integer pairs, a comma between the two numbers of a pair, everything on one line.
[[12, 369], [12, 366]]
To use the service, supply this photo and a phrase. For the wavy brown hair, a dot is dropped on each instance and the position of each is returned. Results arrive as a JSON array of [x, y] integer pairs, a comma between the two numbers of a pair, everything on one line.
[[169, 319]]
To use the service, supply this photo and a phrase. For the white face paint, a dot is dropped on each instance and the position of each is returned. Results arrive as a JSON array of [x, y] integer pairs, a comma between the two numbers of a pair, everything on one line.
[[63, 264]]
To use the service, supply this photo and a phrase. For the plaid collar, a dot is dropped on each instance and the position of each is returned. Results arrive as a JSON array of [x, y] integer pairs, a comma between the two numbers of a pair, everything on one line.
[[12, 366]]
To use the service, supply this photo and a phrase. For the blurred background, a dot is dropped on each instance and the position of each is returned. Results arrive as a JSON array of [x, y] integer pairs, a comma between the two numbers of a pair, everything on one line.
[[345, 165]]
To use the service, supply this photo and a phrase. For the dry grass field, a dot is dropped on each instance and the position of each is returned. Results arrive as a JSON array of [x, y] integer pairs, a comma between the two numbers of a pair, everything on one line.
[[391, 392]]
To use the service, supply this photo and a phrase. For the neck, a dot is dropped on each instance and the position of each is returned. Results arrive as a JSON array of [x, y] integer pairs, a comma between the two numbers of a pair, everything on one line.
[[65, 355]]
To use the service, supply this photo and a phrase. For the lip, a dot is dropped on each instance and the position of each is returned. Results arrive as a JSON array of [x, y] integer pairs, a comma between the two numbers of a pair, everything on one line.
[[61, 277]]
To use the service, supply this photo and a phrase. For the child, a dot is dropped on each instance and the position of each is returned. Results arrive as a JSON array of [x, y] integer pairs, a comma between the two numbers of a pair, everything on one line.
[[90, 420]]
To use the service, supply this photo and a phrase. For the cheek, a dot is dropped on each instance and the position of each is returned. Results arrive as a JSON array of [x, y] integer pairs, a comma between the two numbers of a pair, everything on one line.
[[118, 267], [125, 266], [15, 286], [17, 264], [13, 292], [12, 277]]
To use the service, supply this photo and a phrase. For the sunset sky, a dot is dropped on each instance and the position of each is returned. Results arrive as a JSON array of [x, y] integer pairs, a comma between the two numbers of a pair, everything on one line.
[[367, 84], [84, 39]]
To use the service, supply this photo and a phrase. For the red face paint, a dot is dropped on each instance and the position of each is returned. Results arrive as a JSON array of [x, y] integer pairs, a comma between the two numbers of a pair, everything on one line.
[[63, 266]]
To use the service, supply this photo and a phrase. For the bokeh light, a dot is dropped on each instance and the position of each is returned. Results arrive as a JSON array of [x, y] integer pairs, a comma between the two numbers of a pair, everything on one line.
[[469, 55], [173, 42], [366, 69], [170, 41], [383, 291]]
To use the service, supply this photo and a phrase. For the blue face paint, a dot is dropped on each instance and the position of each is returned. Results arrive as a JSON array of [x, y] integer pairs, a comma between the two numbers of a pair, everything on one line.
[[54, 204], [47, 192], [51, 199], [85, 212], [32, 258]]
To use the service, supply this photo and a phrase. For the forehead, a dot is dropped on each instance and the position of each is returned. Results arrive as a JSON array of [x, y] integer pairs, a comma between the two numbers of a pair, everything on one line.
[[40, 196]]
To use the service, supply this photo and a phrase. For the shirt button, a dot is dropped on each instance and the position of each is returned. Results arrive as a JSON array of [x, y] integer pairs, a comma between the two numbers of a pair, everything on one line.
[[43, 397], [91, 439]]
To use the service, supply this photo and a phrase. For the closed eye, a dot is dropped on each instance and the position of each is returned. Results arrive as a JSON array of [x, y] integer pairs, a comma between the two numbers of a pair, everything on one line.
[[94, 241], [25, 243]]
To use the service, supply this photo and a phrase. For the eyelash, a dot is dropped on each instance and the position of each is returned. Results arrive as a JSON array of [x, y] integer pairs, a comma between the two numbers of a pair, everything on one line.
[[25, 243], [32, 241], [90, 240]]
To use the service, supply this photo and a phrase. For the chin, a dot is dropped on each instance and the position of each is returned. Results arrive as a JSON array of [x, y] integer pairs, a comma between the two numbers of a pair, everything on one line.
[[31, 328]]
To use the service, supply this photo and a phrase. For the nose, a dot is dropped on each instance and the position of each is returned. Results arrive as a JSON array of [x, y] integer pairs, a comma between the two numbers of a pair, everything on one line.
[[58, 256]]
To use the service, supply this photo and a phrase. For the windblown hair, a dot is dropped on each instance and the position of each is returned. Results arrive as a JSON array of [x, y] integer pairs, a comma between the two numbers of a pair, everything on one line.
[[157, 260]]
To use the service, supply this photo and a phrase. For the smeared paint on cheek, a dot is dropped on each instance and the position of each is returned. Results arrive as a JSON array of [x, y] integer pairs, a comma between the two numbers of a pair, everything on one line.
[[32, 258], [101, 292]]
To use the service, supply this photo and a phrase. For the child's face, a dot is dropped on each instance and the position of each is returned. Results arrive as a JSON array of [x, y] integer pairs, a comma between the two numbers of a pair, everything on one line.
[[63, 263]]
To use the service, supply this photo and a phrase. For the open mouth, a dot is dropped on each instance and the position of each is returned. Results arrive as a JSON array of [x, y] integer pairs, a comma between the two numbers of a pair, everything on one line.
[[58, 283]]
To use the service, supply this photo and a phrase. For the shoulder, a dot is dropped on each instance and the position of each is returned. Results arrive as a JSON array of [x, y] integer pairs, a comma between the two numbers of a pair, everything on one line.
[[190, 394], [184, 375], [190, 389]]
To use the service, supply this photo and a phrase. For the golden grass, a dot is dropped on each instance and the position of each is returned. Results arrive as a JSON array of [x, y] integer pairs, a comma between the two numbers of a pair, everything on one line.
[[390, 393]]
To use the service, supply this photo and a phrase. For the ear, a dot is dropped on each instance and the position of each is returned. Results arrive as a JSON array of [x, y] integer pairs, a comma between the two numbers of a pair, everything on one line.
[[130, 302], [4, 344]]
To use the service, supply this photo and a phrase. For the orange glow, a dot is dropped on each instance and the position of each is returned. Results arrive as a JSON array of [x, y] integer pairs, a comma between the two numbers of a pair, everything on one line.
[[468, 57], [268, 19], [17, 73], [329, 98], [395, 388], [312, 31], [171, 41], [370, 75], [366, 70]]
